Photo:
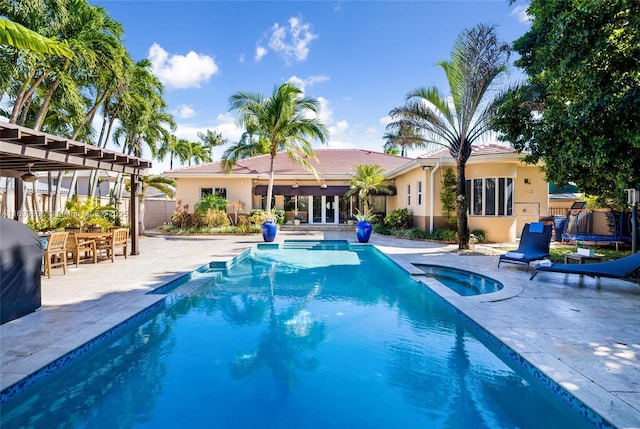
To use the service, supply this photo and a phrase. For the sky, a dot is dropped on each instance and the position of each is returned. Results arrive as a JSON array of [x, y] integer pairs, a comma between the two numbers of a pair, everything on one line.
[[357, 58]]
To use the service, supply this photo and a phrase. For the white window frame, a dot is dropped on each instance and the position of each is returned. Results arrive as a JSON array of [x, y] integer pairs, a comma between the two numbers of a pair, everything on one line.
[[503, 204], [213, 191], [408, 194], [419, 192]]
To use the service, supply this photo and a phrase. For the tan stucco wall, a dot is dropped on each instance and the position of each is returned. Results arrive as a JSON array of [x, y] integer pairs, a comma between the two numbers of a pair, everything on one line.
[[530, 199], [238, 189]]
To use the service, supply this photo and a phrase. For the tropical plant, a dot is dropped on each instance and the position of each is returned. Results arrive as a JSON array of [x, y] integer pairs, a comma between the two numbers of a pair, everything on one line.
[[399, 218], [161, 183], [460, 120], [215, 218], [211, 202], [287, 121], [257, 217], [367, 178], [448, 196], [20, 37], [365, 216], [82, 213]]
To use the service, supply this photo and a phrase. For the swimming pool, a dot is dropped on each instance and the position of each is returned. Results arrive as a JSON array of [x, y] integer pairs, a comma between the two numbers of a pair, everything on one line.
[[462, 282], [299, 335]]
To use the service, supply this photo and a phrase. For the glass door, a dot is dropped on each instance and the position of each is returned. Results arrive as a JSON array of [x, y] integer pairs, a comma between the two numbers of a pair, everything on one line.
[[316, 203], [324, 209]]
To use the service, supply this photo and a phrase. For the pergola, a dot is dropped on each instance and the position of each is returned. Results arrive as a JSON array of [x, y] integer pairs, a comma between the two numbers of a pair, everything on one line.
[[23, 149]]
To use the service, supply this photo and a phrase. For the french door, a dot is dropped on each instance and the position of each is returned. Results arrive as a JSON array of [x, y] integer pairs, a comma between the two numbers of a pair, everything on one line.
[[324, 209]]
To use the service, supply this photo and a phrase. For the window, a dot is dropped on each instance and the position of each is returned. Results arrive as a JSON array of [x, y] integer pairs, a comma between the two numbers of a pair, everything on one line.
[[420, 193], [408, 195], [477, 197], [263, 202], [484, 198], [490, 197], [222, 192]]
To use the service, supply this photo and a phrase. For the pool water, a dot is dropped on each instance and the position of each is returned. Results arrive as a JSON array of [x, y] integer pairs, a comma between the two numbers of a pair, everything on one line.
[[306, 335], [462, 282]]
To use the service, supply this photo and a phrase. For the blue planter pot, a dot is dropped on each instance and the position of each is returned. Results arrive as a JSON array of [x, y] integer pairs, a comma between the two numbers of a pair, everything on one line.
[[363, 231], [269, 230]]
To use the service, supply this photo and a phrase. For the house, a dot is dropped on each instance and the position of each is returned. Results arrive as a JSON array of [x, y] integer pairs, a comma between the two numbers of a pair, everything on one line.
[[504, 193]]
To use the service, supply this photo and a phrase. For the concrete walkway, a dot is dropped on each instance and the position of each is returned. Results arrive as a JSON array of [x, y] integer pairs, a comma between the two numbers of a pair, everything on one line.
[[585, 338]]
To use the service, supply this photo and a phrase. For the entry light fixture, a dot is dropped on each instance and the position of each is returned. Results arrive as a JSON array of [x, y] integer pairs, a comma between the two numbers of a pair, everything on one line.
[[295, 185], [323, 186], [29, 176]]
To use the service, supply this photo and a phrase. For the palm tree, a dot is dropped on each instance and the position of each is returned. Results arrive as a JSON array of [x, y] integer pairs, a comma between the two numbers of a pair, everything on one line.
[[176, 148], [459, 121], [161, 183], [367, 178], [286, 121], [18, 36], [211, 140], [247, 147]]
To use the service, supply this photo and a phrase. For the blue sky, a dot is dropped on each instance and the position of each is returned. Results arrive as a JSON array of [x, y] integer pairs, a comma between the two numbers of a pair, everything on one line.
[[358, 58]]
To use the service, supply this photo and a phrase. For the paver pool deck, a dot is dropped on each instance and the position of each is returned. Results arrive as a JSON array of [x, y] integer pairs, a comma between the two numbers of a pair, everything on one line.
[[584, 337]]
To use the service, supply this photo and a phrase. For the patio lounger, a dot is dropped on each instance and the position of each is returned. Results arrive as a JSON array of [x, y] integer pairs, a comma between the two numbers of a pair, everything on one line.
[[534, 245], [627, 268]]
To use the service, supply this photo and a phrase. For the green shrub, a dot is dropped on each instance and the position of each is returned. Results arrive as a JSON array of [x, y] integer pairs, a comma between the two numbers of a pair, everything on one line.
[[381, 229], [399, 218], [214, 218], [257, 217], [279, 216], [446, 235], [417, 234], [448, 197], [211, 202]]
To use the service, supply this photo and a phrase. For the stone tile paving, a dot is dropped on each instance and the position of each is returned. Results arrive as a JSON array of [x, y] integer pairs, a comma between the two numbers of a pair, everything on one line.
[[584, 337]]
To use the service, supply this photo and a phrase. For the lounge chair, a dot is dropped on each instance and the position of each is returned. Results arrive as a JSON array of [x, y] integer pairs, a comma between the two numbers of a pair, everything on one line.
[[627, 268], [534, 245]]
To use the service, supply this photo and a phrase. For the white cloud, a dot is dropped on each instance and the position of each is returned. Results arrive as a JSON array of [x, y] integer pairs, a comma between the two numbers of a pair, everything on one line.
[[181, 71], [520, 12], [371, 132], [291, 42], [310, 81], [325, 113], [339, 136], [260, 52], [184, 111]]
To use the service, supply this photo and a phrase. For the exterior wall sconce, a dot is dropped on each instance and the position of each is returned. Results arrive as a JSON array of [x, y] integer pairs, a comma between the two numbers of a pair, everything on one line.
[[295, 185], [323, 186], [527, 181], [426, 167]]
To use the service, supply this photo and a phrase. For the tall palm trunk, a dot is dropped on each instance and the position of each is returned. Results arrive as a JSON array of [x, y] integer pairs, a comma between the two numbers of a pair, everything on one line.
[[461, 206], [23, 97], [270, 187]]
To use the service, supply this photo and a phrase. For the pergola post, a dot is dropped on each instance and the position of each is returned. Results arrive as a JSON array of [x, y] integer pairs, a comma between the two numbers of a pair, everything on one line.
[[133, 215]]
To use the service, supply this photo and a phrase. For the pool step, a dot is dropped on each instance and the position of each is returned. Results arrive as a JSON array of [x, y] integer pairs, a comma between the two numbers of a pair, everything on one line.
[[315, 244]]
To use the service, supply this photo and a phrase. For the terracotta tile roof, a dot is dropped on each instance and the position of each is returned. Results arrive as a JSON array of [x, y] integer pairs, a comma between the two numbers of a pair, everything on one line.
[[330, 162]]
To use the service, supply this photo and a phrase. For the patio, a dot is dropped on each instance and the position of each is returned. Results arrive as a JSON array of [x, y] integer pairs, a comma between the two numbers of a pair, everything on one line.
[[586, 339]]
